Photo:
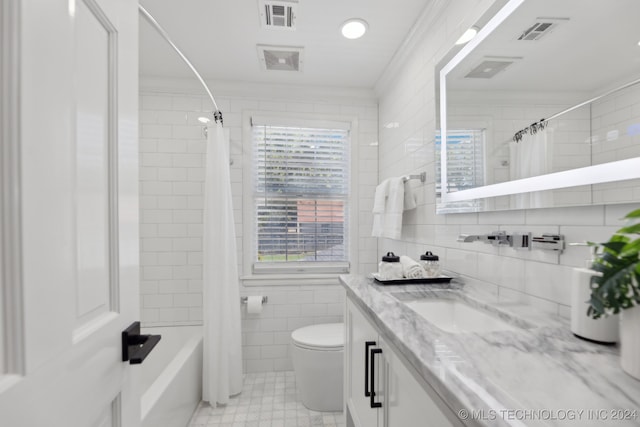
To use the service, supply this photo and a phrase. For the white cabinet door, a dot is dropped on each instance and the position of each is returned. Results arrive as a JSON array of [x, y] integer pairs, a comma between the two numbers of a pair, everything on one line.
[[361, 337], [69, 224], [406, 402]]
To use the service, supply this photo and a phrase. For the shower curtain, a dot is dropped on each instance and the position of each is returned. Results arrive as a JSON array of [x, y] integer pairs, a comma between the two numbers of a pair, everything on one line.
[[221, 308], [532, 157]]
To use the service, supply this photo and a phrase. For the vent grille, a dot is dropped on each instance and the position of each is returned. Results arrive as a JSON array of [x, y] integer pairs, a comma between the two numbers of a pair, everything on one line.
[[278, 14], [489, 67], [540, 28], [280, 58]]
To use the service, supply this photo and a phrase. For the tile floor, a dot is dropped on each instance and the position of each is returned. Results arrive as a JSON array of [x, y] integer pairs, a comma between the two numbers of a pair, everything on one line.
[[267, 400]]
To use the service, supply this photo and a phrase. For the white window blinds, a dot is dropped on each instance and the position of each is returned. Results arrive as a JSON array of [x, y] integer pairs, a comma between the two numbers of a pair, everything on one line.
[[301, 193], [465, 159]]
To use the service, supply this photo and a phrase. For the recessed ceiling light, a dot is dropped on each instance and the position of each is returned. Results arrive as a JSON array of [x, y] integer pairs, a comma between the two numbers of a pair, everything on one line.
[[354, 28], [203, 119], [468, 35]]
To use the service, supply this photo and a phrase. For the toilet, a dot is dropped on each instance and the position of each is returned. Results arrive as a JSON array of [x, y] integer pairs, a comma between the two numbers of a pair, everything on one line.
[[317, 353]]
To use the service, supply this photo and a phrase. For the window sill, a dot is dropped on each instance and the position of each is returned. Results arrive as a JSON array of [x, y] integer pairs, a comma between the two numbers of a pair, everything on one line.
[[290, 279]]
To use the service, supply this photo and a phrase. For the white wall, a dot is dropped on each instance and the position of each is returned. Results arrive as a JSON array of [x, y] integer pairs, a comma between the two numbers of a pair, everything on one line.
[[406, 96], [172, 149]]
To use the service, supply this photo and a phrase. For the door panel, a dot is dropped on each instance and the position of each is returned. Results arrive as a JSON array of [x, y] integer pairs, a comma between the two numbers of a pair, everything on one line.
[[78, 233], [95, 144], [359, 331], [406, 402]]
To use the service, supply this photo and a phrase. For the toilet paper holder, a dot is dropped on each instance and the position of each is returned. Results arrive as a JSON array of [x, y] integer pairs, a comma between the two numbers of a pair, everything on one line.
[[243, 300]]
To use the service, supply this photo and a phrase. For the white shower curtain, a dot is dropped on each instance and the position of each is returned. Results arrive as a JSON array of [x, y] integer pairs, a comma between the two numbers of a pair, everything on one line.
[[221, 307], [532, 156]]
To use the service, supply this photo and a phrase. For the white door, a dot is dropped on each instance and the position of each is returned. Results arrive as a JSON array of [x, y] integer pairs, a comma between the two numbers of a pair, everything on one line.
[[69, 243]]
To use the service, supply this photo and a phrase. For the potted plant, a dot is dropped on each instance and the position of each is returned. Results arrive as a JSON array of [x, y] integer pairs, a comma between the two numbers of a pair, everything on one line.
[[617, 288]]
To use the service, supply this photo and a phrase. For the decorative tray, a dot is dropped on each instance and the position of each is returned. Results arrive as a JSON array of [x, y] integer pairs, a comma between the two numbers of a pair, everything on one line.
[[439, 279]]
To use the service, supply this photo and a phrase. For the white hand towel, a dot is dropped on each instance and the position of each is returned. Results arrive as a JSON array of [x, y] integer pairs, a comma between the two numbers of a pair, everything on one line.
[[410, 268], [410, 201], [379, 203], [392, 226]]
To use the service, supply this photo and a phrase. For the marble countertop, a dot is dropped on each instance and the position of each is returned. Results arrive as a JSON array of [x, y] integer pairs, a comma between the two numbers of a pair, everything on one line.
[[538, 374]]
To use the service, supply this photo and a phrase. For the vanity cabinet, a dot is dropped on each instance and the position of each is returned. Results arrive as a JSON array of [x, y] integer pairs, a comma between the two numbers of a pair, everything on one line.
[[380, 389]]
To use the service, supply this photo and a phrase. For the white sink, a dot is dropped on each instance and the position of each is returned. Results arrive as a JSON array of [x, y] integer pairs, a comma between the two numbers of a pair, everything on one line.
[[456, 316]]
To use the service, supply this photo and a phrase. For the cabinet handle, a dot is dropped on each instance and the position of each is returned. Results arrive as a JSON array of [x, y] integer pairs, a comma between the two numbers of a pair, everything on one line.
[[374, 351], [367, 344]]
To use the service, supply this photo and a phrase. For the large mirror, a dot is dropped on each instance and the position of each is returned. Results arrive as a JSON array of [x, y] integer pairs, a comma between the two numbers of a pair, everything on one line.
[[542, 108]]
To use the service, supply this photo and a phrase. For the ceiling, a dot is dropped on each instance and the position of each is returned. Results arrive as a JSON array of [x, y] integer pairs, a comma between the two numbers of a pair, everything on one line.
[[220, 37], [591, 48]]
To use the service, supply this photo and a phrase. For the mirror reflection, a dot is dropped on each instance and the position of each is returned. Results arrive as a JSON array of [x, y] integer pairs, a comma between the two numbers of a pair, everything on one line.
[[554, 88]]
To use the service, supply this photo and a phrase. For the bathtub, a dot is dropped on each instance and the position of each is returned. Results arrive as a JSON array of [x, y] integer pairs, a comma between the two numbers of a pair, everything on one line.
[[171, 377]]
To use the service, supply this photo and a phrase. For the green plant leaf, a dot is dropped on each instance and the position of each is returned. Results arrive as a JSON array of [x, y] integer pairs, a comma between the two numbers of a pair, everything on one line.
[[618, 286], [631, 249], [633, 214], [631, 229]]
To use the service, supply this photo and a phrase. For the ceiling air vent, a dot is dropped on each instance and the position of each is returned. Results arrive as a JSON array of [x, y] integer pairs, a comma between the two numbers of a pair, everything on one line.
[[278, 14], [280, 58], [489, 67], [540, 28]]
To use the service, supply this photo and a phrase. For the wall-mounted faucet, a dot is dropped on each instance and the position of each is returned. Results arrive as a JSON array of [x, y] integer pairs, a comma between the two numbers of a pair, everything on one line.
[[553, 242], [496, 238]]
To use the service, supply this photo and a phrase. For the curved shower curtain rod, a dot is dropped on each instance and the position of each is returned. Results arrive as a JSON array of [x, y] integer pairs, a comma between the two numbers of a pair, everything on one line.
[[217, 114]]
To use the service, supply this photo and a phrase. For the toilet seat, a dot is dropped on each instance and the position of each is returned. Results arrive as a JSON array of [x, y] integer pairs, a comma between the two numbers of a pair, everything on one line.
[[325, 337]]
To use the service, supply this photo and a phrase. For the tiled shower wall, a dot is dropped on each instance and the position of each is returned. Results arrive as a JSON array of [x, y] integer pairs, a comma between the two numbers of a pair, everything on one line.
[[172, 150], [407, 99]]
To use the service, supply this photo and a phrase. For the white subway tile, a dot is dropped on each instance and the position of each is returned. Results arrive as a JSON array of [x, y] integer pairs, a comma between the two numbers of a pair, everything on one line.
[[148, 230], [195, 314], [195, 258], [156, 244], [155, 159], [148, 146], [299, 297], [187, 103], [187, 188], [188, 160], [148, 287], [172, 258], [156, 188], [172, 286], [287, 310], [196, 174], [186, 244], [155, 102], [156, 216], [148, 174], [273, 324], [172, 146], [187, 300], [155, 131], [258, 338], [148, 258], [187, 272], [156, 272], [273, 351], [548, 281], [188, 132], [172, 202], [193, 216], [157, 301], [148, 202], [173, 314]]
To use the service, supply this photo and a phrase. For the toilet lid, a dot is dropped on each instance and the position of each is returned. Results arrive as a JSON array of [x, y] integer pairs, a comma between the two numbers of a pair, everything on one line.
[[328, 336]]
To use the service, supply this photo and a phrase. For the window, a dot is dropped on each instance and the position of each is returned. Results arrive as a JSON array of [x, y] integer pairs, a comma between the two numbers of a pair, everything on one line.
[[301, 194], [465, 164]]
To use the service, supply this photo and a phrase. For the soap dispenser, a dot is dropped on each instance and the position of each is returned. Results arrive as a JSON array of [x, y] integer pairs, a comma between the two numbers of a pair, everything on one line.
[[603, 330]]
